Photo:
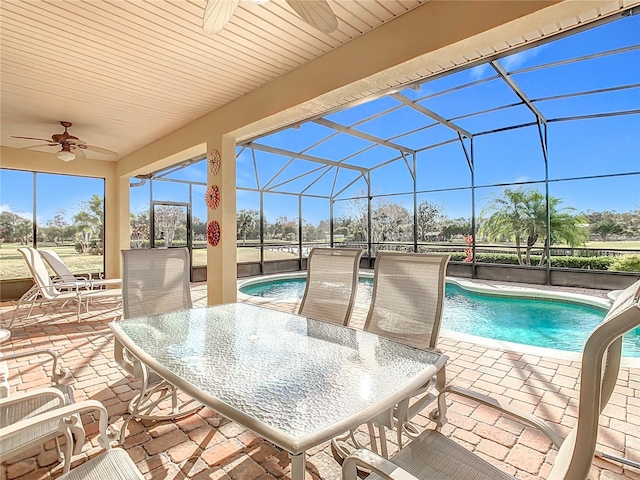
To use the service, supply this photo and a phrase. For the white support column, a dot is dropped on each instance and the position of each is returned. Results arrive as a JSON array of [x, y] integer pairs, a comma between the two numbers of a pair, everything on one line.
[[222, 270]]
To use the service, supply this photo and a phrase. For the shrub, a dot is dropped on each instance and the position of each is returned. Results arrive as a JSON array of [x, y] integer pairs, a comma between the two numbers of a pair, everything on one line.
[[594, 263], [626, 263]]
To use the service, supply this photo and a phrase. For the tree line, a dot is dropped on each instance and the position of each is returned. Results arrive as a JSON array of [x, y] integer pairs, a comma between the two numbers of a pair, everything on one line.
[[516, 216]]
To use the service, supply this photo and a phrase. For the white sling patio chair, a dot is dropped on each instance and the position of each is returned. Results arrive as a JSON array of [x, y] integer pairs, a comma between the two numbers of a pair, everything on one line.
[[23, 406], [406, 306], [64, 275], [45, 290], [332, 283], [114, 463], [154, 281], [20, 409], [435, 456]]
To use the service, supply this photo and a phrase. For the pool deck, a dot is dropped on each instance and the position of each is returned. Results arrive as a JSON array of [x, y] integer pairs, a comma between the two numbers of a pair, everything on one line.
[[207, 446]]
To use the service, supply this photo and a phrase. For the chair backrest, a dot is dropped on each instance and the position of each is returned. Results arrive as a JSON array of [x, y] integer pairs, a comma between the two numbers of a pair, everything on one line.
[[600, 367], [155, 281], [332, 282], [57, 265], [39, 272], [408, 297]]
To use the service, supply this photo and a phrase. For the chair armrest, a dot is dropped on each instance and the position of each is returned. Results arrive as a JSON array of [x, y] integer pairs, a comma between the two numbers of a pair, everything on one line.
[[78, 282], [53, 289], [375, 463], [59, 376], [521, 415], [66, 417]]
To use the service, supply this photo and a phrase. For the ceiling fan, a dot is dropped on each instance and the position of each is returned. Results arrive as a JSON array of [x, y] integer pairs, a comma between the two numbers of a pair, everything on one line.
[[72, 146], [316, 13]]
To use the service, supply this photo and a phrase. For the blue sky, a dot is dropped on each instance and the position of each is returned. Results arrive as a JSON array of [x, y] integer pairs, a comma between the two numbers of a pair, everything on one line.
[[581, 148]]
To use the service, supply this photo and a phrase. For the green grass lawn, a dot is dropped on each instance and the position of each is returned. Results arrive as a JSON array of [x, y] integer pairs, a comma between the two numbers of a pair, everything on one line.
[[12, 265]]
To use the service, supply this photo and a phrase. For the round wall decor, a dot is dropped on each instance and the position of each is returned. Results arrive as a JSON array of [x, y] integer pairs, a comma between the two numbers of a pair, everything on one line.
[[212, 197], [213, 233], [215, 161]]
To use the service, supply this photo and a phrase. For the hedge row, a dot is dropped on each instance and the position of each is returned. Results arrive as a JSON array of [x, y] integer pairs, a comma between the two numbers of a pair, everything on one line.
[[594, 263]]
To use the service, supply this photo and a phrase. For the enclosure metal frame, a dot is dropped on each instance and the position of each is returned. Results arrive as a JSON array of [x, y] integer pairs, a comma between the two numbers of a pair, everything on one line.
[[409, 156]]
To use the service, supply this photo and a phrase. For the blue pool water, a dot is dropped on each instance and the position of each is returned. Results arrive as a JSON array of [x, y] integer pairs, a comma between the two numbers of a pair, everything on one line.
[[543, 323]]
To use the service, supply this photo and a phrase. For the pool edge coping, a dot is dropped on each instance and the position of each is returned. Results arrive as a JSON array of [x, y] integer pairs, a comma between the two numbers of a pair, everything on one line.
[[484, 288]]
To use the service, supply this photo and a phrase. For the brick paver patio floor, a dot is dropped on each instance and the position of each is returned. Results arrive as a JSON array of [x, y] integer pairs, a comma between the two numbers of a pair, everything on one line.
[[207, 446]]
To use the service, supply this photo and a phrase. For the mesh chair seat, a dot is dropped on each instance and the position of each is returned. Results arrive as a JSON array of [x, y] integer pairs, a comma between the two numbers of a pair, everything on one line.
[[15, 411], [436, 457], [114, 464]]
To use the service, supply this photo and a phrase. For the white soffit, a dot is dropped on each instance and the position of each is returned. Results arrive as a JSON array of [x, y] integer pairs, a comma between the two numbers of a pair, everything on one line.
[[127, 72]]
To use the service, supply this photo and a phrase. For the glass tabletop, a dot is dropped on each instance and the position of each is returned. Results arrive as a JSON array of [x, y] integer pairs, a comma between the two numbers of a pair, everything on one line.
[[292, 380]]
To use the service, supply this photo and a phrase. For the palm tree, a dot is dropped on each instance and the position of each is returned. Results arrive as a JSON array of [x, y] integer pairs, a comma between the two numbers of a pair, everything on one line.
[[520, 214], [90, 220], [245, 221]]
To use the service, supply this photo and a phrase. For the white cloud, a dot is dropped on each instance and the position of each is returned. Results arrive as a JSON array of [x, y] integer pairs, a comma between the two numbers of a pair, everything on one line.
[[521, 179], [478, 72], [512, 62], [8, 208]]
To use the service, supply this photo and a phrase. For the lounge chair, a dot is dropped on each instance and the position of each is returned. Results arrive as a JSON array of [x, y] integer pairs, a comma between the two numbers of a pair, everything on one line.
[[332, 282], [406, 306], [64, 275], [155, 281], [435, 456], [114, 463], [45, 290]]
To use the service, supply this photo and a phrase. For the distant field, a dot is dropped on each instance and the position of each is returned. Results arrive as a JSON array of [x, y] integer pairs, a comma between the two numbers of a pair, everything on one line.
[[622, 245], [12, 265]]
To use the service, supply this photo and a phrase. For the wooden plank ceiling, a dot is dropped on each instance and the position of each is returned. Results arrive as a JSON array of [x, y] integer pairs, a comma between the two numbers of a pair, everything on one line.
[[127, 72]]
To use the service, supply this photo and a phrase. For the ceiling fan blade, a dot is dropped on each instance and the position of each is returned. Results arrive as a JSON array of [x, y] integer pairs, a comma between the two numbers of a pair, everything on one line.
[[96, 149], [40, 145], [78, 153], [316, 13], [216, 15], [32, 138]]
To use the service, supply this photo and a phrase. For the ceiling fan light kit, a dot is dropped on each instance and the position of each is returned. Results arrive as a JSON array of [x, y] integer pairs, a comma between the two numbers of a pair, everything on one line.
[[66, 155]]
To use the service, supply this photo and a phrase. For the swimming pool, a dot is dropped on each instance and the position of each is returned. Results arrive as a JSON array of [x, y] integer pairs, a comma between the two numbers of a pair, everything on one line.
[[543, 322]]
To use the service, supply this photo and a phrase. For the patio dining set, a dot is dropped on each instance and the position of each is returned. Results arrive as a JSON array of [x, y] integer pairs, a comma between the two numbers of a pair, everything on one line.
[[299, 379]]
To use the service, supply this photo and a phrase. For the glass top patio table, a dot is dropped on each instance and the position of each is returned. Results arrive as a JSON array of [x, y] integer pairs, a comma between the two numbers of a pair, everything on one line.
[[294, 381]]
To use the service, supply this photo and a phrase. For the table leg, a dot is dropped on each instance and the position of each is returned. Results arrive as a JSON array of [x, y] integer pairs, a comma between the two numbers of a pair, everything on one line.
[[298, 465]]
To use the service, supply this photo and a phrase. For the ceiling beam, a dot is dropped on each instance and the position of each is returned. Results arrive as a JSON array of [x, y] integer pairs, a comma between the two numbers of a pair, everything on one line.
[[517, 90], [357, 133], [304, 156], [431, 114]]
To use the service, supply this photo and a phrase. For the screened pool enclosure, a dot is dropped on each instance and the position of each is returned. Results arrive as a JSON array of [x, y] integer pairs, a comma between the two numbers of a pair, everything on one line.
[[530, 160]]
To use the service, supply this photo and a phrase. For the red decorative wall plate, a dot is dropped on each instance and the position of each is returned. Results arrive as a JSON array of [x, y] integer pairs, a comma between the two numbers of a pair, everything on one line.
[[213, 233], [212, 197], [214, 161]]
